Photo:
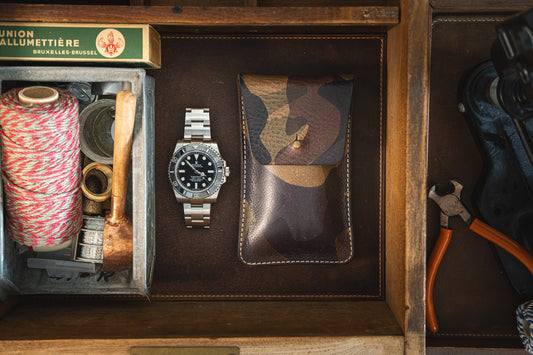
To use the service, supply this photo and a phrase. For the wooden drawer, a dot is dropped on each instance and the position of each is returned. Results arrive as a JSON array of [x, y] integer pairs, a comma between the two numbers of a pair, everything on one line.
[[391, 322]]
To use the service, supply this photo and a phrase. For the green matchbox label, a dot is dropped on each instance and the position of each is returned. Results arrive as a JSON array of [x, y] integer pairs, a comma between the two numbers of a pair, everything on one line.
[[71, 42]]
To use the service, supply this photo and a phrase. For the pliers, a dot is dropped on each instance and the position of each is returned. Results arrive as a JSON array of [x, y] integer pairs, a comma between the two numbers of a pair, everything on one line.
[[450, 206]]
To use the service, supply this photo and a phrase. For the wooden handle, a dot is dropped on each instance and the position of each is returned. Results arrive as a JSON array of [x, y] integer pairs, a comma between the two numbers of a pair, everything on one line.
[[500, 239], [124, 121], [434, 261]]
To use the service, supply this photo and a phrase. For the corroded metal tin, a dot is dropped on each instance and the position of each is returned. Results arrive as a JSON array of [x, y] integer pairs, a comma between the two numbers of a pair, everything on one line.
[[15, 276]]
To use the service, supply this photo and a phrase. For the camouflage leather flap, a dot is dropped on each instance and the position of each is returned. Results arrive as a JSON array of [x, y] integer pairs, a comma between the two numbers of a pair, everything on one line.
[[293, 120]]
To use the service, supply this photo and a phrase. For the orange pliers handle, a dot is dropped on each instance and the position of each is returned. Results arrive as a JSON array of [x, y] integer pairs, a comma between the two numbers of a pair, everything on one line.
[[500, 239], [487, 232], [434, 262]]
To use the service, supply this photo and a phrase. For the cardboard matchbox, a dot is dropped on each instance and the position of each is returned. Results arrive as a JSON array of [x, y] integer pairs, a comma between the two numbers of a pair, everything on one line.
[[108, 43]]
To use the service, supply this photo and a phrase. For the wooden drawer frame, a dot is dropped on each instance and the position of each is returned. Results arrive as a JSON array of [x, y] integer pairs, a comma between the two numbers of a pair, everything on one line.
[[395, 325]]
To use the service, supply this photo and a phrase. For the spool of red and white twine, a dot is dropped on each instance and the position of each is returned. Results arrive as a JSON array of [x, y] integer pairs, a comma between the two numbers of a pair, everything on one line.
[[40, 165]]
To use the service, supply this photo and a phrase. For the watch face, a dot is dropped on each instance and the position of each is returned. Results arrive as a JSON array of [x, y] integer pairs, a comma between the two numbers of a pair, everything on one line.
[[196, 171]]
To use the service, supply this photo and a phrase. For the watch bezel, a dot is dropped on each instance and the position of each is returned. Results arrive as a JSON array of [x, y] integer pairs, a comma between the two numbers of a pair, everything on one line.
[[219, 178]]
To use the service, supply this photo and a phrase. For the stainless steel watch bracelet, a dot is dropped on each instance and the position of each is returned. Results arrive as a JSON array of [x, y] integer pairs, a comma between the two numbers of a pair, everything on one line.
[[197, 215], [197, 124]]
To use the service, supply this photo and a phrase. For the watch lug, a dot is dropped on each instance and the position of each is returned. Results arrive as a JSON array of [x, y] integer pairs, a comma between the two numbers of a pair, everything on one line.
[[213, 197]]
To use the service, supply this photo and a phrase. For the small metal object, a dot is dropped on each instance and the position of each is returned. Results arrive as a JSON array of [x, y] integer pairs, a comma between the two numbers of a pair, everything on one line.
[[92, 237], [297, 143], [450, 204], [82, 92], [101, 172], [93, 223], [109, 87], [97, 130], [89, 243], [91, 207], [59, 265], [91, 252], [300, 136], [61, 268]]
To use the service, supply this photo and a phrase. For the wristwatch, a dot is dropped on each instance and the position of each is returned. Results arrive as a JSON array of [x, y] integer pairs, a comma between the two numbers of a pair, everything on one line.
[[197, 170]]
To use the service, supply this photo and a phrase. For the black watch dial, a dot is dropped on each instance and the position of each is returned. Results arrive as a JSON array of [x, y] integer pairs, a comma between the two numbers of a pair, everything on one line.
[[195, 171]]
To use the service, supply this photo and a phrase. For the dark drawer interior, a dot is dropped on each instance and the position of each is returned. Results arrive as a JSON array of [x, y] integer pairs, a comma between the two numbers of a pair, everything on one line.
[[474, 300], [201, 71]]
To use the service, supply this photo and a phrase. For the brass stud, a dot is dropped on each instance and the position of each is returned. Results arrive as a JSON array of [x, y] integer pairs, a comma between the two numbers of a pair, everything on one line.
[[297, 144]]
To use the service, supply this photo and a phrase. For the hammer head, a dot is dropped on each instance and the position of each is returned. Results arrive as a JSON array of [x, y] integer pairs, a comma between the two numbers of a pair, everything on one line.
[[118, 244]]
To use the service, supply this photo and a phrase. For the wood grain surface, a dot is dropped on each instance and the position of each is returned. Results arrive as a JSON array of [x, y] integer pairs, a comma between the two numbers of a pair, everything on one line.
[[204, 16], [45, 319], [256, 346], [406, 195]]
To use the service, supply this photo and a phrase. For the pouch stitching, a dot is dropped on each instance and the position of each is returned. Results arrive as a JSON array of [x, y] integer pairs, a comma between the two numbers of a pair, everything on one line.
[[243, 296], [285, 37], [452, 334], [466, 19]]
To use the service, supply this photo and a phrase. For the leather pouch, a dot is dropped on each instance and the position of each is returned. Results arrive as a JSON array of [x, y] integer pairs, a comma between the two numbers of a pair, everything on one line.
[[295, 205]]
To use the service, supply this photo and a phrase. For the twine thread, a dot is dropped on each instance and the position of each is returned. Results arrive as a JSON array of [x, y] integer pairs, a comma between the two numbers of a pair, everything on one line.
[[524, 323], [40, 169]]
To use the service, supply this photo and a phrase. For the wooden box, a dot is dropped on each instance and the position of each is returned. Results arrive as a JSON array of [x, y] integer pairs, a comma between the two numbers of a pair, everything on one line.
[[392, 323], [474, 300]]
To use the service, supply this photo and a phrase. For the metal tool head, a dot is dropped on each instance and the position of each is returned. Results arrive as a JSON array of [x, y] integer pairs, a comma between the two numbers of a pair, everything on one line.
[[118, 243], [449, 203]]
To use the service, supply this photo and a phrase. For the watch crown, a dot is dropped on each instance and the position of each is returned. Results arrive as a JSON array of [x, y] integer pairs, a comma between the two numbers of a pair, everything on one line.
[[226, 171]]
